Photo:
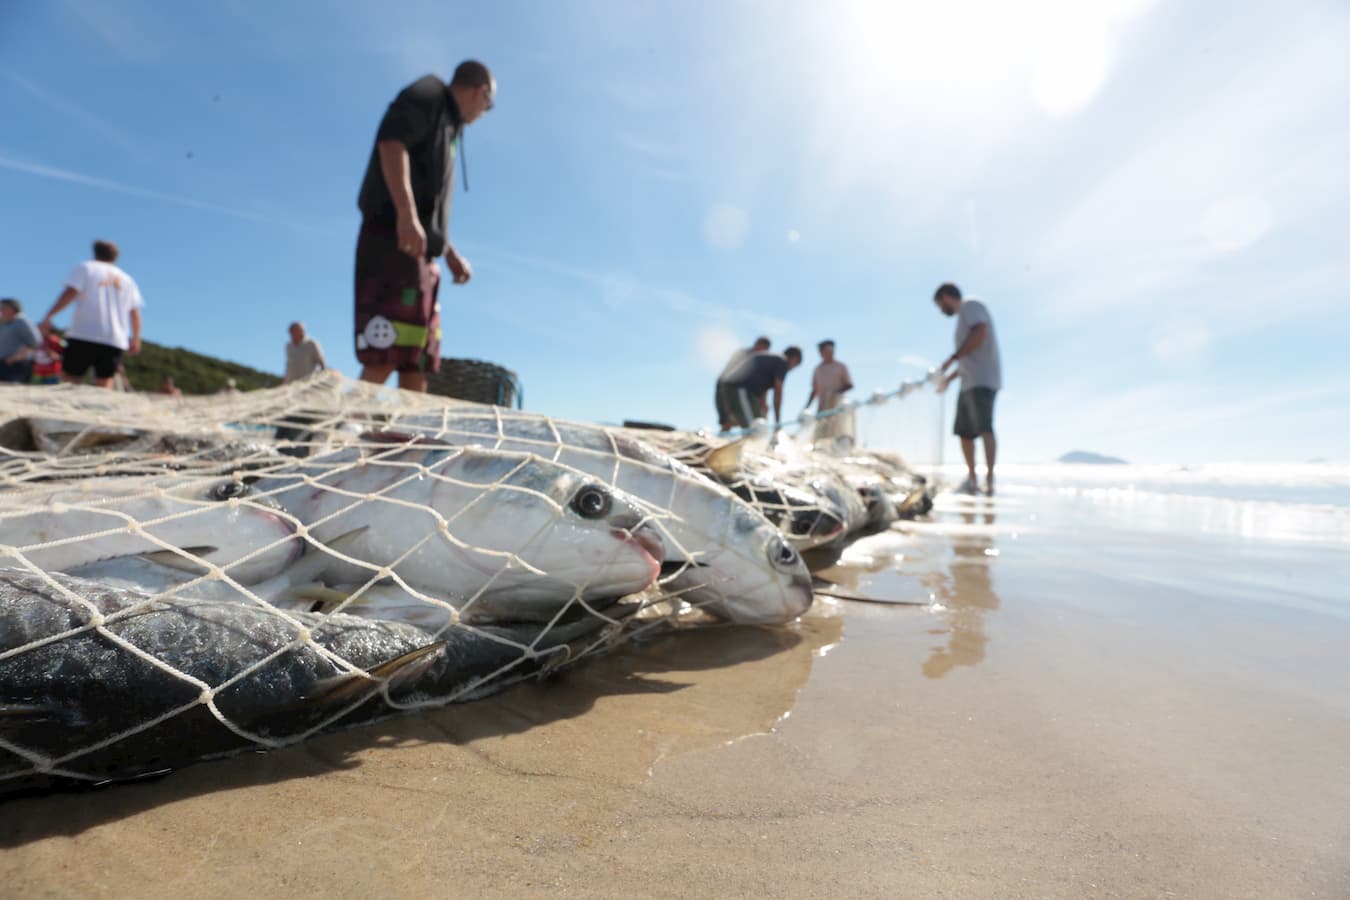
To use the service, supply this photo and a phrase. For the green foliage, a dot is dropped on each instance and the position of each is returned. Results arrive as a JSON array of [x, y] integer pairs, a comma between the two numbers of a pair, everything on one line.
[[193, 373]]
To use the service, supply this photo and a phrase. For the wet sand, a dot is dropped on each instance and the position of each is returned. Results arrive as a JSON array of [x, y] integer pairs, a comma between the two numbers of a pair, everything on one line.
[[1093, 700]]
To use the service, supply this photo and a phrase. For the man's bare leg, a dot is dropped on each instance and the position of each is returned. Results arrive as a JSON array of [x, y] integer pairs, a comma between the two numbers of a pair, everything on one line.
[[412, 381], [376, 374], [104, 382], [968, 451], [990, 451]]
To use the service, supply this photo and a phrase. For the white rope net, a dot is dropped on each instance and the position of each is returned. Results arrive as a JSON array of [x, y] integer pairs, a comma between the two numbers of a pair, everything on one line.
[[183, 578]]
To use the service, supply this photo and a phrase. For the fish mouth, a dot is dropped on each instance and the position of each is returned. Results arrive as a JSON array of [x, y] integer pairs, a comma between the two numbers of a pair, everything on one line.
[[814, 526], [647, 543]]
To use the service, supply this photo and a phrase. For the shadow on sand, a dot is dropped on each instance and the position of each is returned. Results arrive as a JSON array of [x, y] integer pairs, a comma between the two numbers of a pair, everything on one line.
[[637, 667]]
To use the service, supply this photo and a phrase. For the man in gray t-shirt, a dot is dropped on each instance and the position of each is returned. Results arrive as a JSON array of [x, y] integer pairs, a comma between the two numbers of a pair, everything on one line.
[[977, 365], [19, 338], [304, 356]]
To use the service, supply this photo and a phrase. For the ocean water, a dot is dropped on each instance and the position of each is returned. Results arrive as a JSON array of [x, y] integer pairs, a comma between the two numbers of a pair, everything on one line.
[[1303, 502], [1221, 542]]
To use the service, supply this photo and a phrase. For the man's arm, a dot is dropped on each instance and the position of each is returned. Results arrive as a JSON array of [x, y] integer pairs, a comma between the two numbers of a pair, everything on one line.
[[813, 395], [318, 357], [777, 400], [848, 381], [135, 316], [30, 340], [412, 240], [67, 297], [460, 271], [969, 345]]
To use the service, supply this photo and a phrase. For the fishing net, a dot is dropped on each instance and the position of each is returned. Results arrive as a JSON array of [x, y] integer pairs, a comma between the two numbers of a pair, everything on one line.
[[186, 577]]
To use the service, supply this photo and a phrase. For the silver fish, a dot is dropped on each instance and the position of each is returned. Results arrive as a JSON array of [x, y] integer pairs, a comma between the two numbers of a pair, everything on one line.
[[498, 535], [721, 555], [100, 683], [176, 524]]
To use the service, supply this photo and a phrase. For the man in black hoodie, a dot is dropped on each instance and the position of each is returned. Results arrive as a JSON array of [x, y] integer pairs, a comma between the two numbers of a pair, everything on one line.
[[405, 224]]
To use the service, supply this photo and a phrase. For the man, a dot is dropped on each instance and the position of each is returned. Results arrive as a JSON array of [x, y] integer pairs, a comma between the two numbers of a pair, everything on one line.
[[977, 364], [19, 340], [724, 419], [304, 356], [746, 386], [829, 382], [107, 320], [405, 210]]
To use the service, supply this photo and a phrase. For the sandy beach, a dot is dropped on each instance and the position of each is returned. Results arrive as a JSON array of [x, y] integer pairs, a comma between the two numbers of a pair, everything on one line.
[[1089, 690]]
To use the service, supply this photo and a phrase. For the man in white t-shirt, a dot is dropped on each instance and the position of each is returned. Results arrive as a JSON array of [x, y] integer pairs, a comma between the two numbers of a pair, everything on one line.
[[829, 382], [107, 320], [981, 372]]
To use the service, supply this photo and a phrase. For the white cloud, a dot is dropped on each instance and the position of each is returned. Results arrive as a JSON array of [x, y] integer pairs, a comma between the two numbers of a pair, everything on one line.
[[1072, 65], [1235, 222], [1181, 340], [713, 345], [57, 174], [82, 118], [725, 226], [1230, 156], [618, 289]]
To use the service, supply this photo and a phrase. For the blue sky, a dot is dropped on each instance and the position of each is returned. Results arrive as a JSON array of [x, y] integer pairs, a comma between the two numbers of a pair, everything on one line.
[[1152, 197]]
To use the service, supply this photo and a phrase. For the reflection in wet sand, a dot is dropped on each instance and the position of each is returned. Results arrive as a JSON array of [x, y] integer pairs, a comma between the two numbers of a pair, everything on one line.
[[965, 594]]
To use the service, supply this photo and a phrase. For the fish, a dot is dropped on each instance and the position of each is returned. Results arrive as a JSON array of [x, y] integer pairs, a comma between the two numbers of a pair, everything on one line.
[[181, 527], [805, 503], [101, 684], [721, 555], [499, 536]]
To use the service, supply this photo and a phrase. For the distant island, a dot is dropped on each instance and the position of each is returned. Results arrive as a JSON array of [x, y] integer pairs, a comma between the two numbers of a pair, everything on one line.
[[1083, 456]]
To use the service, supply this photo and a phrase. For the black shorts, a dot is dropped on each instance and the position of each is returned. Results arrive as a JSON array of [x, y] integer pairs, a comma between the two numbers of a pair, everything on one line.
[[80, 355], [974, 412]]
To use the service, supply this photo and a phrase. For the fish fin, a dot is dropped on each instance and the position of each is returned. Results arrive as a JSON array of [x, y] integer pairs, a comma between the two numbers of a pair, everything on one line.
[[400, 673], [725, 461], [310, 566], [312, 597], [174, 559]]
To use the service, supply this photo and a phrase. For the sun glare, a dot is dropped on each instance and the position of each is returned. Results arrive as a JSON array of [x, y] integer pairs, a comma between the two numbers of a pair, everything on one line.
[[964, 56]]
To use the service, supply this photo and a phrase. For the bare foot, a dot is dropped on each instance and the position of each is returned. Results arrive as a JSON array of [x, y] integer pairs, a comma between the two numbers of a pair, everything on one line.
[[989, 487]]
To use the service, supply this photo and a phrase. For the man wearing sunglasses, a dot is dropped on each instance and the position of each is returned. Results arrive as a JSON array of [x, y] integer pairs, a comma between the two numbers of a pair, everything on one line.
[[405, 224]]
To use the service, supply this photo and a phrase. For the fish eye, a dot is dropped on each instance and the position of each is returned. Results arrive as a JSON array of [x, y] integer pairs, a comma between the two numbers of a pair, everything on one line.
[[229, 490], [782, 554], [592, 502]]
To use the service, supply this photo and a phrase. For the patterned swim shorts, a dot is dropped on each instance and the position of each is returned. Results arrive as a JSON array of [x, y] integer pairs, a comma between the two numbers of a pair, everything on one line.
[[398, 318]]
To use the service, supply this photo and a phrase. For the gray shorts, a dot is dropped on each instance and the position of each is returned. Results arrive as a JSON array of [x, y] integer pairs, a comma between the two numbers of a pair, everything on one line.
[[974, 412]]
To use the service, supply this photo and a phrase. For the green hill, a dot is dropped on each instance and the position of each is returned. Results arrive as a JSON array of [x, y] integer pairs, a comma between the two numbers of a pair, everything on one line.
[[194, 373]]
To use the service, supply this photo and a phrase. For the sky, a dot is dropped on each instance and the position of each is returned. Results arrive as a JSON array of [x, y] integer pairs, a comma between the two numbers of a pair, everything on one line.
[[1152, 198]]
